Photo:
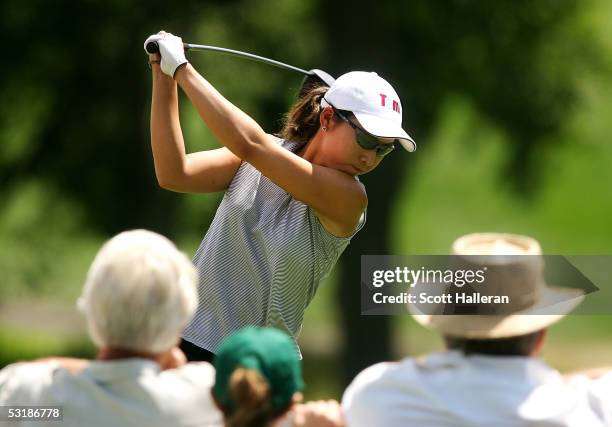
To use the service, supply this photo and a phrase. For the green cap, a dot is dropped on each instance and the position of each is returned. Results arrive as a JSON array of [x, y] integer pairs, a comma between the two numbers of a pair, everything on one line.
[[268, 351]]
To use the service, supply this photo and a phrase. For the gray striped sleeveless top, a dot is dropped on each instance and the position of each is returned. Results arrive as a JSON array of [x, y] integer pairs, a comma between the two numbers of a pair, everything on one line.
[[261, 260]]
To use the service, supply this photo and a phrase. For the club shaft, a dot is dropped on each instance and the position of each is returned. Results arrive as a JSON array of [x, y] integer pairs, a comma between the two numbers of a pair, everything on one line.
[[191, 46]]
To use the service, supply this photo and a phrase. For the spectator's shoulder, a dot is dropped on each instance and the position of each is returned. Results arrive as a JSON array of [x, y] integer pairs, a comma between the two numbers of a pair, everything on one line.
[[194, 373], [187, 391], [373, 380], [374, 372], [21, 383], [598, 388], [362, 400], [194, 379]]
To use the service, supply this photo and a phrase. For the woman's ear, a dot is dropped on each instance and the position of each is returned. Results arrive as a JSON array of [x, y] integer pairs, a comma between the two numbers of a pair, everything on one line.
[[326, 117]]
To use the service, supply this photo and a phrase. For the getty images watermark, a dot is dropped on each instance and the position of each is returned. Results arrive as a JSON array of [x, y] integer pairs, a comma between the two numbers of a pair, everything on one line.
[[448, 277], [481, 284]]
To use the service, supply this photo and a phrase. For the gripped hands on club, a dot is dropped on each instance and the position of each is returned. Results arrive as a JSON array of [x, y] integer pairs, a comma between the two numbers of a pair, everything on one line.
[[171, 52]]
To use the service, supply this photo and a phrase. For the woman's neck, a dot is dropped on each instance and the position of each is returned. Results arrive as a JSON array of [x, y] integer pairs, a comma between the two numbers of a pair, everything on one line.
[[312, 151]]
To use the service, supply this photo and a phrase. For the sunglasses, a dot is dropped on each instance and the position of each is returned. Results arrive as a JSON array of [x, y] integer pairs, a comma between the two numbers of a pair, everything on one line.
[[367, 141]]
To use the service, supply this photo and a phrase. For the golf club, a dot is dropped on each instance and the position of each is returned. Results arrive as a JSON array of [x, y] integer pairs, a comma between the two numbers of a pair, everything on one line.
[[314, 76]]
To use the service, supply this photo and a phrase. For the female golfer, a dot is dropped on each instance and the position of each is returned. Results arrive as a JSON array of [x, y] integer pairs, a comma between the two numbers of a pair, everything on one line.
[[291, 204]]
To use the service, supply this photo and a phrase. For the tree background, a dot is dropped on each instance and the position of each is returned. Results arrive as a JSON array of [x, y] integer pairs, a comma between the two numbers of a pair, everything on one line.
[[509, 103]]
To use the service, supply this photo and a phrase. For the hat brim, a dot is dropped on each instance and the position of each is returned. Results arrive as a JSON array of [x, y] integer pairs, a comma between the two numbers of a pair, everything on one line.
[[559, 301], [382, 128]]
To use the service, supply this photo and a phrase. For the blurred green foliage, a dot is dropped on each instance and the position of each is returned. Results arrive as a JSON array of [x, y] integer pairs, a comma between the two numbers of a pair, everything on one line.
[[568, 213], [515, 69], [16, 347]]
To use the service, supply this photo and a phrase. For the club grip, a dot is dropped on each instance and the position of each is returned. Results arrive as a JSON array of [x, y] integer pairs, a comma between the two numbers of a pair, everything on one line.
[[152, 47]]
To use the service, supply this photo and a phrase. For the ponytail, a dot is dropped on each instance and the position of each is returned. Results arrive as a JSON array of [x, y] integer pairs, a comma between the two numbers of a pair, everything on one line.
[[301, 123], [250, 393]]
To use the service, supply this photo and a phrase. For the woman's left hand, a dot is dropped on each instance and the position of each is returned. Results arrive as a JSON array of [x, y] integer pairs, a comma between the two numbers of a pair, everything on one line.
[[171, 50]]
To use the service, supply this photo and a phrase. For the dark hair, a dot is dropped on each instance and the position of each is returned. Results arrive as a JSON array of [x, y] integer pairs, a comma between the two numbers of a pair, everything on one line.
[[301, 123], [253, 405], [522, 345]]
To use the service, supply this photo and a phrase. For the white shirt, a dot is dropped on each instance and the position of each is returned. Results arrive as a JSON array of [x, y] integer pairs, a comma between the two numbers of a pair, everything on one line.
[[129, 392], [450, 389]]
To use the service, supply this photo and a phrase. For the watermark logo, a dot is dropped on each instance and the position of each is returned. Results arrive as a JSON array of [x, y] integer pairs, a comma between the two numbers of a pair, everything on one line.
[[480, 284]]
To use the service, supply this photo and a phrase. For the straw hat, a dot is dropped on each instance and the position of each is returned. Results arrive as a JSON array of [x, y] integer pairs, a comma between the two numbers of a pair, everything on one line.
[[514, 268]]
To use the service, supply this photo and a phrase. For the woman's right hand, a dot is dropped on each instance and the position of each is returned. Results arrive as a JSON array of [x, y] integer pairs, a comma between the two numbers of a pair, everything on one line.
[[154, 59]]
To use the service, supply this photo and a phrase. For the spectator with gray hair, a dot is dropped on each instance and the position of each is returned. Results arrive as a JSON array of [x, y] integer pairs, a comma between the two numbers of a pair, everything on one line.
[[139, 294]]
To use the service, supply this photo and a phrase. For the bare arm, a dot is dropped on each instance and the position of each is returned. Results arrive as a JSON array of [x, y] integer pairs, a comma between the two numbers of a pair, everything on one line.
[[338, 198], [171, 359], [592, 373], [70, 364], [201, 172], [319, 414]]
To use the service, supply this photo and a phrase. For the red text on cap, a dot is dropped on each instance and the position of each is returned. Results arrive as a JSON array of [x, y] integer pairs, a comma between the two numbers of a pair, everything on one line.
[[396, 105]]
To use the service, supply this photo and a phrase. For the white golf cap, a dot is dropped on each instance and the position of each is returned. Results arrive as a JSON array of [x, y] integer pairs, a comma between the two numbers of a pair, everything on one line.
[[374, 103]]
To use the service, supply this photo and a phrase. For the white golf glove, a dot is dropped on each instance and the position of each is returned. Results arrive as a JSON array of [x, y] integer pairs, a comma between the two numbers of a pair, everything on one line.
[[171, 50]]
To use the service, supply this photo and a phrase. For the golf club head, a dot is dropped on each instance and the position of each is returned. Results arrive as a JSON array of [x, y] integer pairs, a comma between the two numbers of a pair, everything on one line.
[[315, 78]]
